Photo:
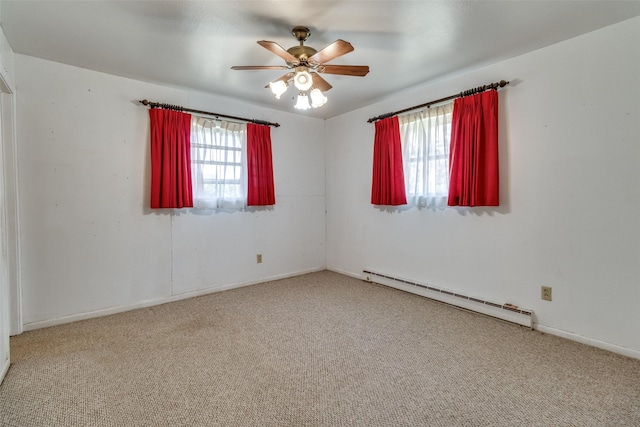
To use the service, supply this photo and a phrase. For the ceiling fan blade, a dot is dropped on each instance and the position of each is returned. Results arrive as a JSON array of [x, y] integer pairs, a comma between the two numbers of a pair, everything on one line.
[[320, 83], [274, 47], [284, 78], [346, 70], [334, 50], [259, 67]]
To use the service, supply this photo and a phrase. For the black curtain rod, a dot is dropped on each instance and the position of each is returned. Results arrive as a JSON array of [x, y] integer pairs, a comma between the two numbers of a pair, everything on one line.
[[479, 89], [216, 115]]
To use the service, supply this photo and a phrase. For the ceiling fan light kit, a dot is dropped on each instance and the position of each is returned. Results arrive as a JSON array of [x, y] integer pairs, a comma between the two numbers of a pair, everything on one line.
[[278, 88], [307, 63], [302, 102], [302, 79], [317, 98]]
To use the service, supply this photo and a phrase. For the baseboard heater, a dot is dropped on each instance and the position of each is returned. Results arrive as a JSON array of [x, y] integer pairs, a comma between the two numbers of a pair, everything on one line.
[[507, 312]]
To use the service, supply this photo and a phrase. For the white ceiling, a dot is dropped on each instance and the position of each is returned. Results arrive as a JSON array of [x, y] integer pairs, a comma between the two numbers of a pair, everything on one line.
[[193, 44]]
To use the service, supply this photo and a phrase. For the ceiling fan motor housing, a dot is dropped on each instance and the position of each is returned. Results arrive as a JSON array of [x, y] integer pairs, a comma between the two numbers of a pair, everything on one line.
[[302, 52]]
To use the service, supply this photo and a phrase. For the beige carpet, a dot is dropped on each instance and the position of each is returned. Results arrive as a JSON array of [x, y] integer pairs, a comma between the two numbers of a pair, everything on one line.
[[316, 350]]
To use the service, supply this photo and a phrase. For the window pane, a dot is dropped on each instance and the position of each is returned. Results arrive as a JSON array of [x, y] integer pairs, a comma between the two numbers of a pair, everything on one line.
[[425, 150], [218, 162]]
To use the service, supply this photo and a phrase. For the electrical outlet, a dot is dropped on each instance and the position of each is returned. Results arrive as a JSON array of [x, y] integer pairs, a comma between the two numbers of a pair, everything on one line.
[[259, 258], [545, 293]]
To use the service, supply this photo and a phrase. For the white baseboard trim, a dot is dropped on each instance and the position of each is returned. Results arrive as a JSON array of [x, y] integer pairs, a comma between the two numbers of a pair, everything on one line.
[[624, 351], [3, 371], [347, 273], [163, 300]]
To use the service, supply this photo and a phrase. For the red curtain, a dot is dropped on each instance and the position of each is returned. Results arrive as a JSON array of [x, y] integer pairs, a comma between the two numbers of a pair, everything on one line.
[[388, 175], [473, 156], [170, 159], [260, 191]]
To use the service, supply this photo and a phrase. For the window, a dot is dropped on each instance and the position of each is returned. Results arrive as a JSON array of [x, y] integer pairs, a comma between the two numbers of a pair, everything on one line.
[[218, 164], [425, 140]]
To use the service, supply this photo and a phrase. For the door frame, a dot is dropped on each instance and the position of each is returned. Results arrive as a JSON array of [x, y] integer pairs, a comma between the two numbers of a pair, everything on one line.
[[10, 227]]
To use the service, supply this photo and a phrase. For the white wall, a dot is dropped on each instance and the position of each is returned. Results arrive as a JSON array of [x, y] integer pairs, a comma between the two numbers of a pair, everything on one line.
[[570, 150], [90, 245]]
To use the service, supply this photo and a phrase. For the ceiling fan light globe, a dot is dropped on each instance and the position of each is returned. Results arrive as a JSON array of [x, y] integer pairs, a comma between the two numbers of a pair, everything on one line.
[[317, 98], [278, 88], [303, 102], [303, 80]]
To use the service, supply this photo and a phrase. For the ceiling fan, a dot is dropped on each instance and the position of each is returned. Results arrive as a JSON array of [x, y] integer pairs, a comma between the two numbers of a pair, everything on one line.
[[307, 64]]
